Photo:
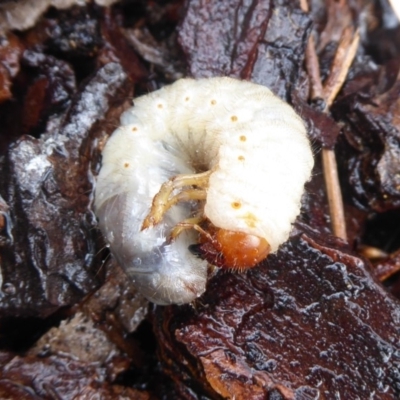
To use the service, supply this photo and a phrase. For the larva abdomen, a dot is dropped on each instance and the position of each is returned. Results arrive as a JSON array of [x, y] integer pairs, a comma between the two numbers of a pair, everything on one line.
[[259, 156]]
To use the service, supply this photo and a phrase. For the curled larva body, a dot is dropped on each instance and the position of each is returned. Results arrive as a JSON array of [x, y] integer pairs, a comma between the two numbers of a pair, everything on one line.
[[259, 157]]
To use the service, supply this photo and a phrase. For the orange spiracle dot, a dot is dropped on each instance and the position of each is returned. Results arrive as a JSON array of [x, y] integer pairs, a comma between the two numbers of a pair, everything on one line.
[[240, 250]]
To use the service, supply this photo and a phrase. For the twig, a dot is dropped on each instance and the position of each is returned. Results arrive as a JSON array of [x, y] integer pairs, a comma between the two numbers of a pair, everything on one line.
[[334, 193], [312, 66], [304, 5], [312, 62], [344, 57]]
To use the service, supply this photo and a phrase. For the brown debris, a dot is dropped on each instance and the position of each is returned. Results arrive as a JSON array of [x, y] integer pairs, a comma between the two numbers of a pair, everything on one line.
[[387, 267], [10, 53], [374, 133], [77, 337], [47, 185], [296, 324], [118, 310], [245, 47], [58, 377], [50, 85], [118, 49]]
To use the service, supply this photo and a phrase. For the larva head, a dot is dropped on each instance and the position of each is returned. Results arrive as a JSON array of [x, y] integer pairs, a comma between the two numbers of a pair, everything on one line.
[[235, 250]]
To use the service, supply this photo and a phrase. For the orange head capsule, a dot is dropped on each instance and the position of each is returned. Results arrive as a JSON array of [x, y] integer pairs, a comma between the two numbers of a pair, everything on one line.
[[231, 249], [240, 250]]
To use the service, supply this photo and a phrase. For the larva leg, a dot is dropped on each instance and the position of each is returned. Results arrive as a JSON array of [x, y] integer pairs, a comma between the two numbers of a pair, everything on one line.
[[189, 223], [164, 199]]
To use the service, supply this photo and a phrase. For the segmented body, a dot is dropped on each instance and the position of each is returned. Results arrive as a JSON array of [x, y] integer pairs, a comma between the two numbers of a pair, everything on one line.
[[260, 157]]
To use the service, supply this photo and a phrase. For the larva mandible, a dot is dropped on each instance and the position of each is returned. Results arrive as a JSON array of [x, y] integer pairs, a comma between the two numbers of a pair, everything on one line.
[[252, 157]]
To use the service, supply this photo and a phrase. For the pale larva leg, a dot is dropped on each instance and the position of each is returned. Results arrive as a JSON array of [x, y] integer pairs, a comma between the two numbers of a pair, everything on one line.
[[164, 199], [189, 223], [161, 207]]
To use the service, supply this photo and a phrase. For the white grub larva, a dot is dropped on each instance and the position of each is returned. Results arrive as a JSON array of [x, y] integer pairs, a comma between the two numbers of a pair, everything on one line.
[[252, 157]]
